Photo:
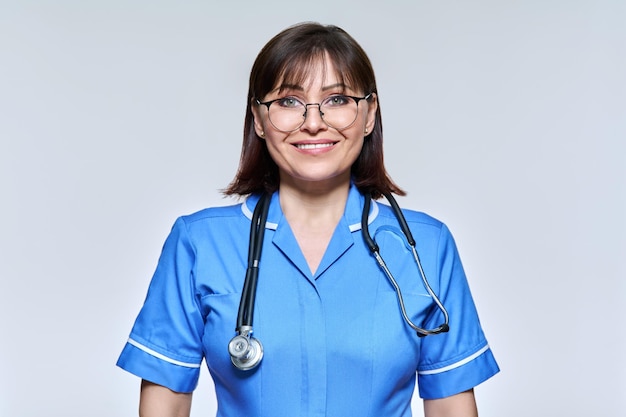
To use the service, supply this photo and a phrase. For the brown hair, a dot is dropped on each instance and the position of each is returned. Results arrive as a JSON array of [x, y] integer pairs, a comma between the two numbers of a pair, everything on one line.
[[287, 58]]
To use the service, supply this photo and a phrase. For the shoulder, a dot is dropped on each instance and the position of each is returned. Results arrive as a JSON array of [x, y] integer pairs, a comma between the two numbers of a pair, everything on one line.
[[208, 229], [213, 220], [426, 229], [413, 217], [210, 214]]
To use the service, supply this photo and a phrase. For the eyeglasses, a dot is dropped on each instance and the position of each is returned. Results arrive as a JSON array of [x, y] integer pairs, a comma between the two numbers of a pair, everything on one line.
[[288, 114]]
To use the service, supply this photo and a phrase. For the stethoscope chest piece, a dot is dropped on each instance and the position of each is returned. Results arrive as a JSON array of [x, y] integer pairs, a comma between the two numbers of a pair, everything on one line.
[[245, 351]]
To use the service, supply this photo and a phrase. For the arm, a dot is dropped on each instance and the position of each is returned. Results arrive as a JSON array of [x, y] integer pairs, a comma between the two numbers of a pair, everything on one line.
[[459, 405], [159, 401]]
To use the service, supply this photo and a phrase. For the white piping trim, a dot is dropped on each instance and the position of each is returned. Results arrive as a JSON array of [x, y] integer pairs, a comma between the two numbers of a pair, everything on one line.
[[162, 357], [353, 227], [373, 214], [455, 365], [246, 212]]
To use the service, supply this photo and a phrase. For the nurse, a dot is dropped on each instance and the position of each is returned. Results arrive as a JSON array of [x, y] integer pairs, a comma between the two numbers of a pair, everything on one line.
[[334, 339]]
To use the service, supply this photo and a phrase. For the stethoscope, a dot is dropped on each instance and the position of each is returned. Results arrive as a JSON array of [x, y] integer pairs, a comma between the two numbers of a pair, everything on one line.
[[245, 350]]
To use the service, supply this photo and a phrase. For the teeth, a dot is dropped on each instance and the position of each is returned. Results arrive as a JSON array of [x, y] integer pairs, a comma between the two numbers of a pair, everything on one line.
[[313, 145]]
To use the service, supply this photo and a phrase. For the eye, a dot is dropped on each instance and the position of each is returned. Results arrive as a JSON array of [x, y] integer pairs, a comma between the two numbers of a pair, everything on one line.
[[289, 103], [337, 100]]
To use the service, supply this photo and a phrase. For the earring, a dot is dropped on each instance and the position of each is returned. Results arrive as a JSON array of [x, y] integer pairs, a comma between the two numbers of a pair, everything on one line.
[[262, 133], [366, 131]]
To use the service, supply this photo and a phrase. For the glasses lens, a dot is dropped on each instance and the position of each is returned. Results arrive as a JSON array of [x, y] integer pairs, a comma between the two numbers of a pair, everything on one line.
[[339, 111], [287, 114]]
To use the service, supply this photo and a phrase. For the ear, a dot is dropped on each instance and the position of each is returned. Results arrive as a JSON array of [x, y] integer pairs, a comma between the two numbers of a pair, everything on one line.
[[258, 118], [372, 107]]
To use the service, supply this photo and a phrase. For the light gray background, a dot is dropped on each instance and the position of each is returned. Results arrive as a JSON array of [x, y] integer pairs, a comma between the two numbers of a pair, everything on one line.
[[505, 119]]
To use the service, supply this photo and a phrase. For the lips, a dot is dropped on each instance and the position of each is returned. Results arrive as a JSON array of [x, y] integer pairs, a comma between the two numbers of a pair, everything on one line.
[[309, 146]]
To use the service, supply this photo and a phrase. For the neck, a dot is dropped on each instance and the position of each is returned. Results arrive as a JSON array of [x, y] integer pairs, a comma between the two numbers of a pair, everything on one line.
[[312, 203], [313, 213]]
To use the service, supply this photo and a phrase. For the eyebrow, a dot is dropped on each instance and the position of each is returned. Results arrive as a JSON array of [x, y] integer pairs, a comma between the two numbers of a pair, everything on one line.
[[289, 87], [330, 87]]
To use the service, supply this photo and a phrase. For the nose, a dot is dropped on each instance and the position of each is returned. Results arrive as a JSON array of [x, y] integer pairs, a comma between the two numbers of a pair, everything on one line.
[[313, 121]]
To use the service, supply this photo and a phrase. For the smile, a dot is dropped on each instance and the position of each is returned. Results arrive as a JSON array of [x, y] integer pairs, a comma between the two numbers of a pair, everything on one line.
[[314, 145]]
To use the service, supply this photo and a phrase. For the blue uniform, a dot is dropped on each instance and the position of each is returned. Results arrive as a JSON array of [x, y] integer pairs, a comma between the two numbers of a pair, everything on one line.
[[335, 343]]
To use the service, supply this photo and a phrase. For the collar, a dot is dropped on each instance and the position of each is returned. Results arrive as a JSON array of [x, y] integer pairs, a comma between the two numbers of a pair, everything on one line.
[[352, 212]]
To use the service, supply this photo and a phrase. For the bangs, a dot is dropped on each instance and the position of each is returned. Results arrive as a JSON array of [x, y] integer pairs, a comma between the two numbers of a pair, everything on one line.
[[291, 62], [298, 71]]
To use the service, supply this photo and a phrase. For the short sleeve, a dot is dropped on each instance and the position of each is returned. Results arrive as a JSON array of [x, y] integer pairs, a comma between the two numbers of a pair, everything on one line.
[[459, 360], [165, 344]]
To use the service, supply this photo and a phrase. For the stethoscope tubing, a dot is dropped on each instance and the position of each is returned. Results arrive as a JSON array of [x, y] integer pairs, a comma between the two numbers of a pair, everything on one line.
[[245, 315], [246, 351], [373, 246]]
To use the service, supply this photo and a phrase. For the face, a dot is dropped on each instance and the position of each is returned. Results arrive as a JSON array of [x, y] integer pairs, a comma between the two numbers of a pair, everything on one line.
[[315, 152]]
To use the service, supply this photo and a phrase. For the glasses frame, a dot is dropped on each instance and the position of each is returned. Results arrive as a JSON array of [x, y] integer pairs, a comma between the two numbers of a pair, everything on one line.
[[319, 108]]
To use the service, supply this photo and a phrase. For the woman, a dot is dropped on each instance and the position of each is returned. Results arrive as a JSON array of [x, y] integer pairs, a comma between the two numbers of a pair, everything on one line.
[[334, 341]]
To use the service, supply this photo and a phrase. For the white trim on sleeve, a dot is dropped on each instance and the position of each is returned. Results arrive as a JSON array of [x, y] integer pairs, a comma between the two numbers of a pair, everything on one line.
[[456, 364], [162, 357]]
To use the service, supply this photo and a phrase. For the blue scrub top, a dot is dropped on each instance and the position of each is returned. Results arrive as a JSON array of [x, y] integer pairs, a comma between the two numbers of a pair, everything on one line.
[[335, 343]]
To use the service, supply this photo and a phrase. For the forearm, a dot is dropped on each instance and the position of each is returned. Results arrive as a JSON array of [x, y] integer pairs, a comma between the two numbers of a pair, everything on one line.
[[158, 401], [459, 405]]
